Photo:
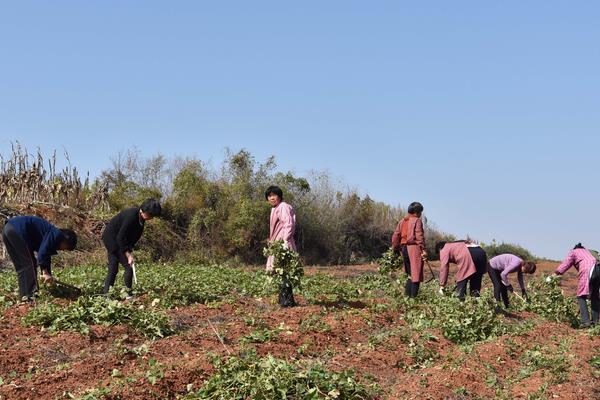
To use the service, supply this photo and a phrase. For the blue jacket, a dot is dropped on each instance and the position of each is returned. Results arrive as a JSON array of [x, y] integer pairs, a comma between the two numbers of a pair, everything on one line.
[[40, 236]]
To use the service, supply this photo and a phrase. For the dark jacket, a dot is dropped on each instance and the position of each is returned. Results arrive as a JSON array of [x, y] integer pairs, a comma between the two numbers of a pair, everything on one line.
[[40, 236], [123, 231]]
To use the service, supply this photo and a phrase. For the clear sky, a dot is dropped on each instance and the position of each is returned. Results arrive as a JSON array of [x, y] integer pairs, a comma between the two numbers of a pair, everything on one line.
[[486, 112]]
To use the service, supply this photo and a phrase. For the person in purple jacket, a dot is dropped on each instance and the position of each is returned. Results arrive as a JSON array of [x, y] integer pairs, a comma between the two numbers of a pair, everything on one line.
[[498, 269], [27, 236], [584, 263]]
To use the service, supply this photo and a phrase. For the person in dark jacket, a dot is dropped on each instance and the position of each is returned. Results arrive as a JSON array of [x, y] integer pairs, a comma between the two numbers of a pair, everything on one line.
[[25, 235], [121, 234]]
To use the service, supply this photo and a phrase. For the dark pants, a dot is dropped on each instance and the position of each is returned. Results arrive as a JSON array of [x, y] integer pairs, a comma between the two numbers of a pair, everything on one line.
[[411, 289], [461, 289], [480, 260], [286, 293], [500, 290], [114, 258], [23, 260], [595, 303], [595, 294]]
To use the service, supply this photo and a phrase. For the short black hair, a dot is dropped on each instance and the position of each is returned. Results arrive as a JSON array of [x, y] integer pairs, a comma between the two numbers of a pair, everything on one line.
[[529, 267], [578, 246], [415, 208], [70, 238], [152, 207], [439, 246], [274, 190]]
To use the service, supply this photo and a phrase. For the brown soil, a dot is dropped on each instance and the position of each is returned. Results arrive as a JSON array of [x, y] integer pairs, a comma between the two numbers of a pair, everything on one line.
[[36, 365]]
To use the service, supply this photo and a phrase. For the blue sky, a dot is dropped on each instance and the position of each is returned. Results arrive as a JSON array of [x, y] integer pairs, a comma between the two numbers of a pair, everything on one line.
[[487, 112]]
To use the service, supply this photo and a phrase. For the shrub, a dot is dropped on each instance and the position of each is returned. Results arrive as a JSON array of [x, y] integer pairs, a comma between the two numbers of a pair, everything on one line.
[[269, 378], [98, 311], [494, 249]]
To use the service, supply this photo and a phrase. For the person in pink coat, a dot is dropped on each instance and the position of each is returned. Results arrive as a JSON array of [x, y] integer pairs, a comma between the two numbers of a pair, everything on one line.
[[584, 263], [409, 239], [456, 253], [282, 226]]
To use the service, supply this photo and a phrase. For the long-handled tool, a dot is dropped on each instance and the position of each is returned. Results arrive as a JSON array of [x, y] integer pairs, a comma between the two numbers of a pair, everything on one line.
[[430, 270], [134, 275]]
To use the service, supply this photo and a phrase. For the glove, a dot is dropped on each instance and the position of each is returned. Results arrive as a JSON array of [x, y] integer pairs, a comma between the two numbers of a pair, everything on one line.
[[525, 296], [441, 291], [510, 288]]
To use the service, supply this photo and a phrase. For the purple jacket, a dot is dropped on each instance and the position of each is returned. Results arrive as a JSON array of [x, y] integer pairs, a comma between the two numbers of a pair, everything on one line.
[[508, 263]]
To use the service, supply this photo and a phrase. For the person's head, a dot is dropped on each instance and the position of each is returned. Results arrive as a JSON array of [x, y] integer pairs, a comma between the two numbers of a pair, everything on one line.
[[69, 240], [415, 208], [439, 246], [578, 246], [528, 267], [274, 195], [150, 208]]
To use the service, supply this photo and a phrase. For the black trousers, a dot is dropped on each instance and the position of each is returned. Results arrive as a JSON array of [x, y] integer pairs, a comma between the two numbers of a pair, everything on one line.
[[23, 260], [595, 294], [286, 293], [461, 289], [594, 300], [500, 291], [411, 289], [480, 260], [114, 258]]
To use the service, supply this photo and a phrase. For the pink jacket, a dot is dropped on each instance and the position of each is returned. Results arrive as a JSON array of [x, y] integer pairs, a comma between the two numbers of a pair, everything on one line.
[[583, 261], [282, 227], [457, 253], [415, 232]]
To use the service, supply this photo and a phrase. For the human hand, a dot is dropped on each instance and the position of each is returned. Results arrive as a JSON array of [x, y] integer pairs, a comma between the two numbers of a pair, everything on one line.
[[130, 259]]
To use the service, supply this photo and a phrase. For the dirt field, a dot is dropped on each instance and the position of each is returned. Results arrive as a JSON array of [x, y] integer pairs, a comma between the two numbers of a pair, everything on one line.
[[35, 365]]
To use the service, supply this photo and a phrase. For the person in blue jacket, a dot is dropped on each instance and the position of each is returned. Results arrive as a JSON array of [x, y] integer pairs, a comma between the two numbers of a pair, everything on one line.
[[23, 237]]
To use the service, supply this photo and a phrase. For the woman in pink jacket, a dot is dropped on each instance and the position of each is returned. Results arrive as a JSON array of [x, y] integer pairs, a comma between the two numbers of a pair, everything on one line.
[[282, 226], [457, 253], [584, 263], [409, 238]]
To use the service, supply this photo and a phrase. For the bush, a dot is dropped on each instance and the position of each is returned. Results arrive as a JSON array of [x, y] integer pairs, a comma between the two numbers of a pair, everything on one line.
[[547, 300], [287, 265], [269, 378], [390, 262], [98, 311], [495, 249]]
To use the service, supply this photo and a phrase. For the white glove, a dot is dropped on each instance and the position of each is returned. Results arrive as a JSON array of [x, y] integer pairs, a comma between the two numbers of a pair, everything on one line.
[[286, 245], [441, 291], [549, 279]]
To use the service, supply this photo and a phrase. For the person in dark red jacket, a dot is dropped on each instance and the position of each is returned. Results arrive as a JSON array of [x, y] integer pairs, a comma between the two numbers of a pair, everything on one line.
[[25, 235], [409, 239], [121, 234]]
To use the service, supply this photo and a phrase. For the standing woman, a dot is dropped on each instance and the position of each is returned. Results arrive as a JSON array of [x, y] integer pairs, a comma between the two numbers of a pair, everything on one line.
[[121, 234], [409, 239], [282, 226], [498, 269], [584, 263], [457, 253]]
